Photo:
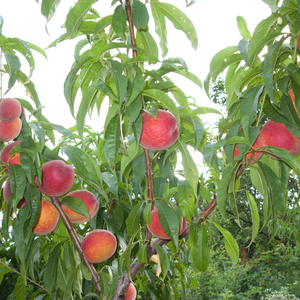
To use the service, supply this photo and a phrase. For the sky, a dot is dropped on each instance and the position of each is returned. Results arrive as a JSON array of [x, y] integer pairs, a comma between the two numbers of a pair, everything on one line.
[[215, 22]]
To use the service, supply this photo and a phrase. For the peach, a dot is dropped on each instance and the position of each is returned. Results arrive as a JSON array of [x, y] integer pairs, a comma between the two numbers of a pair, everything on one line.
[[10, 109], [47, 219], [99, 245], [160, 133], [131, 292], [11, 160], [276, 134], [89, 200], [57, 178], [10, 130], [7, 194], [156, 229]]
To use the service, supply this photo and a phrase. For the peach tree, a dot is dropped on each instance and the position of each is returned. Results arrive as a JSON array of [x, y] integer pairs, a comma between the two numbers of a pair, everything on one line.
[[129, 206]]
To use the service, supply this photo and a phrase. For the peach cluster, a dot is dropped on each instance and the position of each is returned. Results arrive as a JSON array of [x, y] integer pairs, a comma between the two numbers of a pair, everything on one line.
[[10, 122]]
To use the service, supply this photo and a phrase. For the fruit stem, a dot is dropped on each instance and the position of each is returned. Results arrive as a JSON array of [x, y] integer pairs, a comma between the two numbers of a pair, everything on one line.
[[77, 243]]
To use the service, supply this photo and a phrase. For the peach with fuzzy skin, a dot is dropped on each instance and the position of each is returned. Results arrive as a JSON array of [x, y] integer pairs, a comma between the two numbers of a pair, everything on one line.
[[7, 194], [131, 292], [47, 219], [89, 200], [99, 245], [276, 134], [13, 159], [10, 109], [57, 178], [159, 133], [10, 130], [156, 229]]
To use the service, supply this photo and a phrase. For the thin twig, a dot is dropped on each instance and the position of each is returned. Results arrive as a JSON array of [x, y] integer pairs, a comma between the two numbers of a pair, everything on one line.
[[77, 243]]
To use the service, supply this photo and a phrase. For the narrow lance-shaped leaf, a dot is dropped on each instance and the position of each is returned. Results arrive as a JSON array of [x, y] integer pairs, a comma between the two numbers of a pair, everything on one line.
[[160, 27], [254, 216], [200, 253], [231, 245], [186, 199], [119, 20], [48, 8], [76, 14], [77, 205], [180, 21], [133, 219], [139, 13], [242, 25], [14, 65], [163, 259]]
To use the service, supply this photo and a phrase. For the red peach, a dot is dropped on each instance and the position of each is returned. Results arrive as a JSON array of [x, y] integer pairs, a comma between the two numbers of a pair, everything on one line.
[[57, 178], [131, 292], [89, 200], [10, 130], [11, 160], [99, 245], [160, 133], [276, 134], [7, 194], [47, 219], [10, 109], [156, 229]]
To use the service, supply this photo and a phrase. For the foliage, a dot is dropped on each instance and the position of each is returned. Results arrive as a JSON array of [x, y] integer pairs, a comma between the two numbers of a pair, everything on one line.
[[117, 59]]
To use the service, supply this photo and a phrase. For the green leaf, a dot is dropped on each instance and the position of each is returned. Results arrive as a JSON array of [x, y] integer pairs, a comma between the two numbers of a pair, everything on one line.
[[186, 199], [145, 40], [164, 260], [165, 100], [180, 21], [50, 269], [86, 167], [160, 27], [17, 184], [180, 97], [76, 14], [223, 189], [14, 65], [242, 25], [77, 205], [169, 220], [69, 259], [189, 167], [202, 111], [139, 14], [133, 219], [119, 20], [102, 24], [159, 185], [112, 182], [200, 253], [275, 190], [48, 8], [231, 245], [112, 140], [254, 216], [88, 98]]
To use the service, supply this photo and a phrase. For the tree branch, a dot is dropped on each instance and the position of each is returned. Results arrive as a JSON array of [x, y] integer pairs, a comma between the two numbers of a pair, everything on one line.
[[77, 243]]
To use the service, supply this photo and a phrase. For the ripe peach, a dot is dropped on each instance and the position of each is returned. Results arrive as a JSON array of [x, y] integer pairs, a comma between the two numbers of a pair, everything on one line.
[[159, 133], [90, 201], [156, 229], [131, 292], [12, 160], [10, 109], [10, 130], [57, 178], [7, 194], [47, 219], [99, 245], [276, 134]]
